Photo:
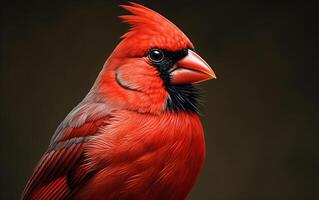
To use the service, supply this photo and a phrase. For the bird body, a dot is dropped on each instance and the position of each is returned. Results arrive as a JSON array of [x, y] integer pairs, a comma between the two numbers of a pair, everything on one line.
[[137, 134]]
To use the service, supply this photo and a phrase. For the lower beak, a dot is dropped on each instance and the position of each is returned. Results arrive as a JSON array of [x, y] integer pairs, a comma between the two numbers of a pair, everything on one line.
[[191, 69]]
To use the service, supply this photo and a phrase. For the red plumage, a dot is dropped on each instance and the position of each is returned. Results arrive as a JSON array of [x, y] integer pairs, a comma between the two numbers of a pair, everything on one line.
[[136, 135]]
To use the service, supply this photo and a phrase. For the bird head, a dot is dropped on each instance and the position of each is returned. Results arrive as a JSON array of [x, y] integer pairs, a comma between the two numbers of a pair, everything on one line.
[[154, 67]]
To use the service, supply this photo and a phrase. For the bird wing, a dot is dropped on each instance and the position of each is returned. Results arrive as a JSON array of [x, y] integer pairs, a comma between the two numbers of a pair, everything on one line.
[[64, 167]]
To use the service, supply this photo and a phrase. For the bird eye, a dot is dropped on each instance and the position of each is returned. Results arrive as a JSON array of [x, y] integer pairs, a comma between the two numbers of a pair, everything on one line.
[[156, 55]]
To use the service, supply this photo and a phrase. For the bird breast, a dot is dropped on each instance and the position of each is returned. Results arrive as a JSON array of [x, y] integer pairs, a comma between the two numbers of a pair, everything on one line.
[[147, 156]]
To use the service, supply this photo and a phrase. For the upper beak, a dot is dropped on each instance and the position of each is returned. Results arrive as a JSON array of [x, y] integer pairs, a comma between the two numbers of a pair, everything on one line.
[[191, 69]]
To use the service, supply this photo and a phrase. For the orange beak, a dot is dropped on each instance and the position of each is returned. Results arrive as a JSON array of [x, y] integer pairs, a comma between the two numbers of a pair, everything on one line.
[[191, 69]]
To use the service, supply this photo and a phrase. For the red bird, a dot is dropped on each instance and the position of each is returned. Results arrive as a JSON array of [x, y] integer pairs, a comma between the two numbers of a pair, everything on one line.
[[137, 134]]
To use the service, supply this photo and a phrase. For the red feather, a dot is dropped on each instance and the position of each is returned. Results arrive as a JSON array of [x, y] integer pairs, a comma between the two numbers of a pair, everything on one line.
[[121, 141], [64, 166]]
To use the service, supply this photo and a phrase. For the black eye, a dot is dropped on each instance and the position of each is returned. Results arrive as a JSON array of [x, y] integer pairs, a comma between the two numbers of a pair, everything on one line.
[[156, 55]]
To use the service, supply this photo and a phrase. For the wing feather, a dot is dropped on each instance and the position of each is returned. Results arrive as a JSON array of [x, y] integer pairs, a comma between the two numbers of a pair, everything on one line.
[[63, 168]]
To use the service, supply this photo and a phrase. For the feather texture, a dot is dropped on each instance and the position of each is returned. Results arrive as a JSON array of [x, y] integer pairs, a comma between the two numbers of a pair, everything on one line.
[[64, 166]]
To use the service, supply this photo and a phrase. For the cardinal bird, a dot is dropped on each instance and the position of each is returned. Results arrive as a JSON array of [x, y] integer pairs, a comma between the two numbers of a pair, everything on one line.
[[137, 133]]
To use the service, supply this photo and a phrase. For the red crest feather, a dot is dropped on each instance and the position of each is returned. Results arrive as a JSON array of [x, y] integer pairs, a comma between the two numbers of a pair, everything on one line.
[[152, 29]]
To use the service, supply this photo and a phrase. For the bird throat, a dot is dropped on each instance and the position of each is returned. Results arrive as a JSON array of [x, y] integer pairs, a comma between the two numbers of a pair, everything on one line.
[[182, 98]]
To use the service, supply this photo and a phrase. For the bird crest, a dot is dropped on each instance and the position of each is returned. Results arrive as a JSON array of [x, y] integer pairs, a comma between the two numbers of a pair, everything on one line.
[[152, 28]]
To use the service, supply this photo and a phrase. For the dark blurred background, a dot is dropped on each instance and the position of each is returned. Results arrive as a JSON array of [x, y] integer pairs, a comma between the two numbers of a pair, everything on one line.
[[260, 115]]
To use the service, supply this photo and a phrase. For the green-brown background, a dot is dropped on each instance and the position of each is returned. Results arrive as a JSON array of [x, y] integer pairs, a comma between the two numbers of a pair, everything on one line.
[[260, 115]]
